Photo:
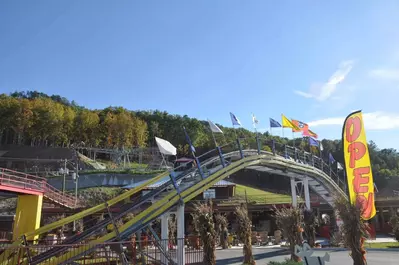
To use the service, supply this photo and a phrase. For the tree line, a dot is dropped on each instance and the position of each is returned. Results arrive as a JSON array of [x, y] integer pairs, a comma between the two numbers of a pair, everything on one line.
[[36, 119]]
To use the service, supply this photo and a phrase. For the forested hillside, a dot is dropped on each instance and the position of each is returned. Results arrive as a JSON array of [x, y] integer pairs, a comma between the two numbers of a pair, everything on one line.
[[34, 118]]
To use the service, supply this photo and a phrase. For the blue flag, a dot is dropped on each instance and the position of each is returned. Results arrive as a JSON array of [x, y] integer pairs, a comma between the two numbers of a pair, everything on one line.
[[274, 123], [331, 158], [234, 119], [313, 142], [192, 148]]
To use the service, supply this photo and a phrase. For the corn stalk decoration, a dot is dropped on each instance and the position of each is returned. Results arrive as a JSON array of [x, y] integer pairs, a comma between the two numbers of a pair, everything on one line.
[[203, 222], [354, 229], [244, 233], [221, 225], [290, 220], [310, 222]]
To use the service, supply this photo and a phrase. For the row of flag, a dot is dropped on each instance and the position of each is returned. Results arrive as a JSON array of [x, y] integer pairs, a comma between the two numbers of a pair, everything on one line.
[[295, 125]]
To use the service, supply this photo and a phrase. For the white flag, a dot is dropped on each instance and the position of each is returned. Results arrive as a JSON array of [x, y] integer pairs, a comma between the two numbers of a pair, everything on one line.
[[214, 127], [321, 147], [339, 166], [254, 120]]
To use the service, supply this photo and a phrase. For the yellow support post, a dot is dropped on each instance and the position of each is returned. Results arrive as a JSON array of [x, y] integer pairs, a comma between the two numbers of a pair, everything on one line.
[[28, 214]]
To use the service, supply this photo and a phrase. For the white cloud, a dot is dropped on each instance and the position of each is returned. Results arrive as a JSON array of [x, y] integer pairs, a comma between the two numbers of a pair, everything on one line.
[[385, 74], [378, 120], [326, 90]]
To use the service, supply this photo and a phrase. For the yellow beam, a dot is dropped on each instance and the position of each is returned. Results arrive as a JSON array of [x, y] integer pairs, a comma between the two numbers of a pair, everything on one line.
[[28, 214]]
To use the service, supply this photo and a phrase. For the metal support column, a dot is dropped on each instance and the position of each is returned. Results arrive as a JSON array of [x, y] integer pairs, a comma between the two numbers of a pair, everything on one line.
[[172, 176], [293, 193], [221, 156], [164, 236], [258, 143], [118, 237], [199, 167], [181, 256], [306, 190]]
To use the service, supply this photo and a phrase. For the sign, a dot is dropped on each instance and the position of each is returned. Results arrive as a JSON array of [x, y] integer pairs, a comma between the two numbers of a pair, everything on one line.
[[209, 194], [357, 164]]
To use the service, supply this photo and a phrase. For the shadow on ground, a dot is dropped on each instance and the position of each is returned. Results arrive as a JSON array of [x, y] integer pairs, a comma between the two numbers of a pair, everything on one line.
[[257, 256]]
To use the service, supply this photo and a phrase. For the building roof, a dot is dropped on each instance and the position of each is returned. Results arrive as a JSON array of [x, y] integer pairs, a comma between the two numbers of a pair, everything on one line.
[[221, 183]]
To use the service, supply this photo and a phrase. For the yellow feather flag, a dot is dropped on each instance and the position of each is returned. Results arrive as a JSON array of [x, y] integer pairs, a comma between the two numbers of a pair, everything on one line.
[[287, 123]]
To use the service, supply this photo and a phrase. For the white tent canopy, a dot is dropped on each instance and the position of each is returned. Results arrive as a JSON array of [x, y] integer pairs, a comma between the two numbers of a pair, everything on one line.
[[165, 147]]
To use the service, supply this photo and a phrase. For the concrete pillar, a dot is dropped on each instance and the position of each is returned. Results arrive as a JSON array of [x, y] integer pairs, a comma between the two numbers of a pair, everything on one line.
[[306, 190], [181, 256], [293, 193], [164, 236]]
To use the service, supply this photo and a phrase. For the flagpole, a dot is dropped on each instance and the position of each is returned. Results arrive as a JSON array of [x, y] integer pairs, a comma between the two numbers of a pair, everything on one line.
[[214, 139], [293, 138], [235, 133]]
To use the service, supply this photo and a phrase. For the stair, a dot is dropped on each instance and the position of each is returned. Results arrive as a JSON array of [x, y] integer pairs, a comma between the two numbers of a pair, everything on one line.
[[23, 181], [321, 191]]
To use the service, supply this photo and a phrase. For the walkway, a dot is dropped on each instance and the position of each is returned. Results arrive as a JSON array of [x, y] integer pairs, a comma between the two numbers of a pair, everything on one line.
[[22, 183]]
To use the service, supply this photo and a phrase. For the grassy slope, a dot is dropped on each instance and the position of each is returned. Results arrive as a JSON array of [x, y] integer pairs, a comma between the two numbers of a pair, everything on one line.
[[261, 196], [382, 245]]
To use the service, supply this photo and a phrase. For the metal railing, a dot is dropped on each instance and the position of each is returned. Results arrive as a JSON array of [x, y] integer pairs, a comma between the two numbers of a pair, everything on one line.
[[20, 180], [25, 181]]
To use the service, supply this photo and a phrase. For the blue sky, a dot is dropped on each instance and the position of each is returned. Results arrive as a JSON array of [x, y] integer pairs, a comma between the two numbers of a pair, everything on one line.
[[314, 61]]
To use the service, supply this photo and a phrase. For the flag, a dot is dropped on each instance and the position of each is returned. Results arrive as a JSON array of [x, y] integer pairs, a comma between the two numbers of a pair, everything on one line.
[[321, 147], [358, 172], [192, 148], [287, 123], [339, 166], [313, 142], [309, 133], [234, 119], [314, 135], [274, 123], [331, 158], [254, 120], [214, 127], [301, 125]]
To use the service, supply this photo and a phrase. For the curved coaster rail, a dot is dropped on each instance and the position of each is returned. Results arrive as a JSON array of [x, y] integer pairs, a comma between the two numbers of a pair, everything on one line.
[[182, 187]]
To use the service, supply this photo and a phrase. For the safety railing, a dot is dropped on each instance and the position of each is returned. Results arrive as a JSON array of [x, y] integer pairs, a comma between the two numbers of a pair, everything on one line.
[[21, 180], [297, 155], [25, 181]]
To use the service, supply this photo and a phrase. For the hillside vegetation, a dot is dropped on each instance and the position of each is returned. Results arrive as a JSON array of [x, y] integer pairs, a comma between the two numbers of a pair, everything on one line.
[[36, 119]]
